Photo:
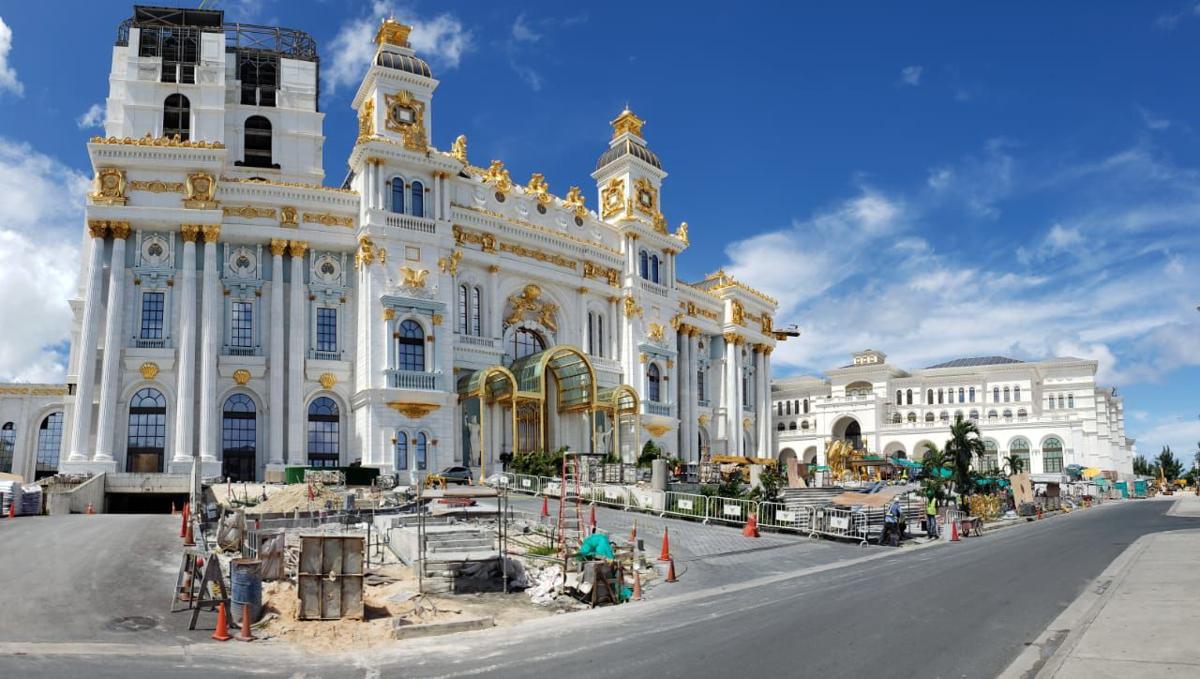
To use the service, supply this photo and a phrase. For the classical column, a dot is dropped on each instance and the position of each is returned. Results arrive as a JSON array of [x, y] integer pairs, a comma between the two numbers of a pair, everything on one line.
[[738, 371], [276, 367], [109, 373], [585, 323], [694, 426], [495, 313], [81, 417], [764, 406], [613, 325], [210, 325], [297, 331], [729, 394], [185, 403], [684, 390]]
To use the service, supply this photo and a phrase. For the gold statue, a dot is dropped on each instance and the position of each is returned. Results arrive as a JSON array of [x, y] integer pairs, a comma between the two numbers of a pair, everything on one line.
[[681, 233], [459, 149]]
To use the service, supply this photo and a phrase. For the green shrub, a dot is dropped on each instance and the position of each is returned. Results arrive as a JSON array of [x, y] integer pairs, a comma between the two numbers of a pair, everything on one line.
[[538, 463]]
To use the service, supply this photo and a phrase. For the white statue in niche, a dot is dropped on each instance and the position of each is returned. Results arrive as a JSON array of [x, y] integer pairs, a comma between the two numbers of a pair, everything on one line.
[[604, 440], [469, 446]]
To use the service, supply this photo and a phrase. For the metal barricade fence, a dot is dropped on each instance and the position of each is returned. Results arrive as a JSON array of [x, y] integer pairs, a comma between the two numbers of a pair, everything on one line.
[[777, 515], [730, 510], [610, 495], [685, 504], [839, 523], [549, 486], [524, 483]]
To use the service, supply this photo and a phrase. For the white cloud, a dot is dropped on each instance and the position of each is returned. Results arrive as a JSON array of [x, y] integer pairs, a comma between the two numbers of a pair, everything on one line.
[[911, 75], [1152, 121], [522, 31], [1061, 238], [93, 117], [1182, 433], [529, 75], [40, 227], [8, 75], [1171, 20], [441, 40]]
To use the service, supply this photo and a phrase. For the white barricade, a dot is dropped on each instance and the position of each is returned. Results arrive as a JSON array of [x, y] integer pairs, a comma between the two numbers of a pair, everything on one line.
[[524, 483], [777, 515], [730, 510], [610, 495], [685, 504], [839, 523]]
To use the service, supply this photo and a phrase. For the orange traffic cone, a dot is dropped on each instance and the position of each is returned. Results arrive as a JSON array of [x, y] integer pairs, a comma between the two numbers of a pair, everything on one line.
[[1039, 513], [592, 520], [666, 547], [953, 531], [12, 510], [188, 540], [183, 520], [245, 634], [671, 572], [633, 533], [222, 631], [751, 528], [545, 508]]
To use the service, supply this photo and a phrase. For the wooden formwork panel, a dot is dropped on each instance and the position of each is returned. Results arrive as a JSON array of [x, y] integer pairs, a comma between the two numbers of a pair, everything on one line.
[[330, 579]]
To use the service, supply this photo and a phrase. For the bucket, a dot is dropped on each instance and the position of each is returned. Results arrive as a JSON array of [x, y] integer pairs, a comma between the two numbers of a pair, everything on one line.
[[245, 580]]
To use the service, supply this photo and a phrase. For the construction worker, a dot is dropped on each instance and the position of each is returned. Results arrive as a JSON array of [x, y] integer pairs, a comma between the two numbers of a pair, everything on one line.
[[892, 529], [931, 517]]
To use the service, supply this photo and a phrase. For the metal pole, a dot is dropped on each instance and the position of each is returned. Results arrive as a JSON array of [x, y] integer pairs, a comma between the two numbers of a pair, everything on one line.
[[482, 436]]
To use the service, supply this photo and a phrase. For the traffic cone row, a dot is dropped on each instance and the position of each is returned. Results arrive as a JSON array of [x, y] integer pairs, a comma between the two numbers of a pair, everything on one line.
[[953, 531], [665, 554], [751, 528], [244, 634], [222, 631]]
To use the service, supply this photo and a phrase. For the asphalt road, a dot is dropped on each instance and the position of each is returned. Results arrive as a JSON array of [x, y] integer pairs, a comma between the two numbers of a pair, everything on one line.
[[964, 609]]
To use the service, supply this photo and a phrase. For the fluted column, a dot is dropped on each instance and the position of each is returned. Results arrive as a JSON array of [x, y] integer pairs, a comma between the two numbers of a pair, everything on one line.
[[495, 313], [586, 329], [185, 398], [210, 325], [729, 395], [764, 408], [81, 417], [614, 325], [694, 351], [685, 389], [276, 368], [297, 332], [109, 373], [737, 395]]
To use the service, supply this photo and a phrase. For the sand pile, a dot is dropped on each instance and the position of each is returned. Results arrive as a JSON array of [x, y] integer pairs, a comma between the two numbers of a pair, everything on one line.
[[295, 496]]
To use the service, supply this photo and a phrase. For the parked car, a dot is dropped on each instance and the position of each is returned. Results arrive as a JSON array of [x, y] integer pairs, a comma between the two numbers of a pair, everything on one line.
[[456, 475]]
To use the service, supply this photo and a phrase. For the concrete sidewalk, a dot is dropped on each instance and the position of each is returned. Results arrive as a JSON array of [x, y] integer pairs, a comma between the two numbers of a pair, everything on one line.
[[1140, 619]]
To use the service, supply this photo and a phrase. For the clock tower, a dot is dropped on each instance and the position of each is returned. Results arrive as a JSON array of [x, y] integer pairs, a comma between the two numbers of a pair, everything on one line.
[[394, 100], [629, 176]]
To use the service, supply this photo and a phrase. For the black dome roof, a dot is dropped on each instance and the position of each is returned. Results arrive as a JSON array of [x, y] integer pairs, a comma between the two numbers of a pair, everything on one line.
[[404, 62], [628, 147]]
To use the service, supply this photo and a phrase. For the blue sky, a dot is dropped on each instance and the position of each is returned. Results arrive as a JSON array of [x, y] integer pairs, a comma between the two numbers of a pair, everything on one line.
[[929, 179]]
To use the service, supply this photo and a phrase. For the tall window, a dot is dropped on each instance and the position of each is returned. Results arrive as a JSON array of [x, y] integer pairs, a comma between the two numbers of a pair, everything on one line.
[[422, 449], [779, 409], [940, 395], [654, 268], [995, 394], [961, 393], [326, 329], [971, 394], [1016, 393], [991, 457], [1052, 455], [476, 312], [241, 327], [1060, 401], [908, 397], [324, 433], [401, 450], [239, 439], [257, 144], [653, 383], [396, 187], [176, 46], [464, 309], [410, 346], [805, 406], [974, 415], [147, 432], [1050, 402], [700, 388], [899, 397], [418, 199], [48, 444], [8, 443], [152, 315], [789, 408], [258, 72], [526, 342], [177, 117], [1019, 447], [644, 265], [929, 397], [1070, 400]]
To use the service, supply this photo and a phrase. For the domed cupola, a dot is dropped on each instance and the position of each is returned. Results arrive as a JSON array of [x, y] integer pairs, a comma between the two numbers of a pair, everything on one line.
[[628, 175], [627, 140]]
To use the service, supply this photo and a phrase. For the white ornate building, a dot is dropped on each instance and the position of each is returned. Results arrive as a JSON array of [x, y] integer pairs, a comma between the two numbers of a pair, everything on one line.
[[1050, 412], [427, 312]]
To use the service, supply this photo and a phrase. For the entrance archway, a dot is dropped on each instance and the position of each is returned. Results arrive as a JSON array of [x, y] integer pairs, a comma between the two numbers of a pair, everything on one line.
[[147, 432], [849, 430], [810, 455], [239, 438], [785, 456]]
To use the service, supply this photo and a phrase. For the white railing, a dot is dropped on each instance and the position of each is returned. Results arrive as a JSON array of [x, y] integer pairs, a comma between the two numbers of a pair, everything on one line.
[[476, 341], [149, 343], [652, 408], [777, 515], [686, 504], [654, 288], [730, 510], [411, 379], [409, 222]]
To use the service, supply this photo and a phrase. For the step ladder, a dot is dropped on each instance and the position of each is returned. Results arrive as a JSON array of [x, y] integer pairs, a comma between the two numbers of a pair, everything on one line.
[[570, 512]]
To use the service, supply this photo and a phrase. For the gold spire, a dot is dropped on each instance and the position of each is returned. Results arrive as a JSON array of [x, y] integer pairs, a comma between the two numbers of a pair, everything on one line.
[[627, 122], [393, 32]]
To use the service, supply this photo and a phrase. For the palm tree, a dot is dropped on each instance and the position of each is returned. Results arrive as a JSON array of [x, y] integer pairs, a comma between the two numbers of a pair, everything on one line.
[[1168, 465], [933, 461], [1142, 466], [1014, 464], [963, 445]]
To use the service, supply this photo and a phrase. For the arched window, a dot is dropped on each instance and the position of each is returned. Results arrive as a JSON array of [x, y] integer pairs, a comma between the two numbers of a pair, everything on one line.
[[644, 265], [401, 450], [653, 384], [789, 408], [177, 117], [974, 416], [410, 346], [804, 424], [991, 456], [526, 342], [912, 417], [257, 72], [929, 397], [464, 309], [805, 406], [896, 419], [147, 432], [908, 397], [239, 438], [396, 188], [958, 415], [49, 442], [1016, 393], [929, 417], [257, 146], [899, 397], [418, 199], [1007, 414], [8, 443], [971, 394], [941, 396], [422, 451], [1019, 447], [944, 417], [324, 433], [961, 393], [1021, 414], [1070, 400], [1050, 401], [1006, 394], [792, 425], [995, 394], [1052, 455], [779, 427], [1060, 401], [654, 268], [991, 414]]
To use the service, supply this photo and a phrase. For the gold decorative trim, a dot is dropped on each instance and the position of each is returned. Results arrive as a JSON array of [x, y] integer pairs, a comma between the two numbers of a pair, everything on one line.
[[656, 333], [498, 177], [539, 255], [241, 376], [631, 307], [290, 185], [327, 219], [327, 380], [32, 391], [414, 278], [109, 187], [538, 188], [249, 212], [413, 132], [278, 246], [612, 197], [459, 150], [449, 263], [413, 410], [575, 201], [719, 280], [148, 140], [540, 229], [297, 248], [97, 228], [436, 319], [646, 198], [530, 302], [287, 216], [156, 186], [702, 420], [657, 429], [389, 314], [189, 232], [211, 232], [746, 424], [119, 230], [627, 122], [366, 122], [199, 190], [693, 310], [149, 370], [738, 313], [603, 273]]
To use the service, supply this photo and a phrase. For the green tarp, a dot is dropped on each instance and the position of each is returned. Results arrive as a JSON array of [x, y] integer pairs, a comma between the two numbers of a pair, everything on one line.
[[596, 546]]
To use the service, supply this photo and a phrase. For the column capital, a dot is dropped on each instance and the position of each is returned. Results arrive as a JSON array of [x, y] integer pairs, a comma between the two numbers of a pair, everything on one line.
[[119, 230], [297, 248], [211, 232], [97, 228], [493, 269], [189, 232], [278, 246]]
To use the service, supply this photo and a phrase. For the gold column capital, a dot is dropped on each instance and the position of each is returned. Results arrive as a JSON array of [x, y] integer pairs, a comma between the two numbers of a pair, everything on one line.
[[297, 248], [278, 246], [119, 229], [97, 228], [189, 232], [211, 232]]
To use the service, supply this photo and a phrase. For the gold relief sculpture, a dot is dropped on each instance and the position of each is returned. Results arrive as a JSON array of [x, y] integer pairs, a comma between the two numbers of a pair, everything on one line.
[[631, 307], [392, 32], [767, 324], [156, 186], [174, 142], [297, 248], [199, 190], [677, 322], [326, 219], [389, 314], [612, 197], [738, 313], [413, 278], [327, 380], [682, 233], [538, 188], [109, 187], [189, 232], [413, 410], [599, 272], [656, 332], [657, 429], [249, 212], [693, 310], [529, 303], [643, 358], [627, 122], [406, 115], [365, 255], [211, 232], [541, 229], [732, 337], [702, 420], [660, 224], [287, 216], [670, 364], [366, 121], [149, 370], [539, 255], [449, 263], [646, 198], [575, 202], [498, 177], [241, 376], [459, 149], [746, 424], [436, 319], [278, 246], [119, 229]]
